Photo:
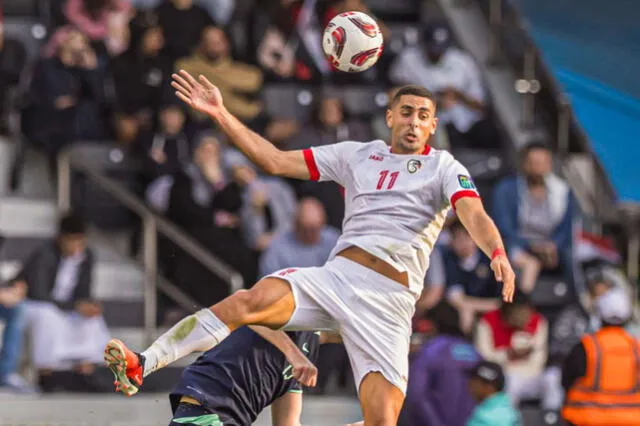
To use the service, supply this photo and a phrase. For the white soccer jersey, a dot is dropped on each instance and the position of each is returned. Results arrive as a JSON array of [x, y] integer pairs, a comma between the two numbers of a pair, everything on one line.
[[395, 205]]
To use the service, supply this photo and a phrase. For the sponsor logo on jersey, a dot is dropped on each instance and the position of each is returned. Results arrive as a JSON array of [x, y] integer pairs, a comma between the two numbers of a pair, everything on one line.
[[375, 157], [286, 272], [414, 165], [466, 182]]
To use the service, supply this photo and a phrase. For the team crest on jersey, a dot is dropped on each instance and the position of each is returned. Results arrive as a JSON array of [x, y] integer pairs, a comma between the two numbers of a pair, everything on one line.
[[466, 182], [414, 165]]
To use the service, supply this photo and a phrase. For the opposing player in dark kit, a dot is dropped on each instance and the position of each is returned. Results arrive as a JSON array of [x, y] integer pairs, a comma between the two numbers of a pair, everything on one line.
[[233, 382]]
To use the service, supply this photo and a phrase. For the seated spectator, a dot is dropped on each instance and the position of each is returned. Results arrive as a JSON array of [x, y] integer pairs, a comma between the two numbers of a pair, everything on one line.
[[534, 212], [206, 203], [328, 125], [140, 76], [104, 22], [434, 283], [13, 314], [237, 81], [565, 331], [67, 328], [13, 56], [515, 336], [66, 94], [167, 151], [438, 393], [471, 286], [455, 77], [309, 242], [494, 407], [287, 38], [268, 203], [182, 24]]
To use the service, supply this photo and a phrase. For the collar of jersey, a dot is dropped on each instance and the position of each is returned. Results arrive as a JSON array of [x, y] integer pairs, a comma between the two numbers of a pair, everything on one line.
[[427, 150]]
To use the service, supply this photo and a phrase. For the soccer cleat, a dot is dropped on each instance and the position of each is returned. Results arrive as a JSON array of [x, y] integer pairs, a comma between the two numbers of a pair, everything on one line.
[[125, 365]]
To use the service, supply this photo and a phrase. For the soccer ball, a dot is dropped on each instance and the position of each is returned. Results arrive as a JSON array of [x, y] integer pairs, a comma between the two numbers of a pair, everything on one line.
[[352, 41]]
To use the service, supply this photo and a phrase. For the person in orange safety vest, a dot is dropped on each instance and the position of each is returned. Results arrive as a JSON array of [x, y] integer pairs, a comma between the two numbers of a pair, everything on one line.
[[602, 372]]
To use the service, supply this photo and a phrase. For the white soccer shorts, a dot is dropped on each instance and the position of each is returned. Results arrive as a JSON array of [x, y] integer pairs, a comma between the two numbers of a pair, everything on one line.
[[371, 312]]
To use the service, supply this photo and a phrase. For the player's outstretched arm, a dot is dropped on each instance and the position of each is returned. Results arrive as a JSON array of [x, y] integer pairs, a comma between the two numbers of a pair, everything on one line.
[[286, 410], [204, 97], [484, 232], [303, 370]]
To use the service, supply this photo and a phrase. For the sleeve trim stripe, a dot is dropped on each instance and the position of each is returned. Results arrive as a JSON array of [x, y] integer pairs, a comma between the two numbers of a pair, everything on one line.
[[314, 173], [462, 194]]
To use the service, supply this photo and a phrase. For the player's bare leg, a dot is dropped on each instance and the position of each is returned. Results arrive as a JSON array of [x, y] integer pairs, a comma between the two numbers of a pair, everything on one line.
[[380, 401], [269, 303]]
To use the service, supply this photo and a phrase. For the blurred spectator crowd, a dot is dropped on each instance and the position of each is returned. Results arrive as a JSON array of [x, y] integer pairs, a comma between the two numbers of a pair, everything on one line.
[[100, 76]]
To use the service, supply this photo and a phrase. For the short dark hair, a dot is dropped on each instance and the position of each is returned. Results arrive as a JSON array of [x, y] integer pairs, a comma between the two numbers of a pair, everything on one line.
[[72, 224], [533, 146], [456, 226], [520, 299], [446, 318], [414, 90]]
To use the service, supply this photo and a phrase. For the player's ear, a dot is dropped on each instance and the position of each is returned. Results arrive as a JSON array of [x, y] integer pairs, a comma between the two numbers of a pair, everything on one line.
[[434, 126], [388, 118]]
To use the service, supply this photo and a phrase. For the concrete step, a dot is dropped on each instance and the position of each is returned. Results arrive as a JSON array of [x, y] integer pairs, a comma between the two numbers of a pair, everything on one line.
[[144, 409], [21, 217], [117, 281], [111, 281]]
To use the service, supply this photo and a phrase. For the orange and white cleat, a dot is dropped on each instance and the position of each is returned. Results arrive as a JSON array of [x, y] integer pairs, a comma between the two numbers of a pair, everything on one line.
[[125, 365]]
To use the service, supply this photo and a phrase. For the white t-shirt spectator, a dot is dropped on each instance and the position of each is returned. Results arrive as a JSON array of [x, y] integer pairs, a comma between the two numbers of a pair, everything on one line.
[[455, 69]]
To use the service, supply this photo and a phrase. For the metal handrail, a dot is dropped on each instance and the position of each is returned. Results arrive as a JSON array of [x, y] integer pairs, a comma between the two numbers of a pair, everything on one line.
[[567, 127], [151, 224]]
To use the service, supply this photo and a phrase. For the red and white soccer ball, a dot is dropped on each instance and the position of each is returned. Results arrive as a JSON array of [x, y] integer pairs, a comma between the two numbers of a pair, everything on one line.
[[352, 41]]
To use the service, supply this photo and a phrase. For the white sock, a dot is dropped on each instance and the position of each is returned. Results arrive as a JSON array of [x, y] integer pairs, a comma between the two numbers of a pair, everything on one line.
[[196, 333]]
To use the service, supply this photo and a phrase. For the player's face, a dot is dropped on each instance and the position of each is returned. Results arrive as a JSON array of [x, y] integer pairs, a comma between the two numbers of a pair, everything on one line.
[[412, 121]]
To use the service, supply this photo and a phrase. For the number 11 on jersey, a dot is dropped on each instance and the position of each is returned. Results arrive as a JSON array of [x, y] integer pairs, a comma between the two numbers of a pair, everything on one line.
[[383, 177]]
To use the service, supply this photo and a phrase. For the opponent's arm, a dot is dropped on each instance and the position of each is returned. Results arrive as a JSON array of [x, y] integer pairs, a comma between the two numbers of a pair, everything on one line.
[[303, 370], [204, 97], [486, 235], [286, 410]]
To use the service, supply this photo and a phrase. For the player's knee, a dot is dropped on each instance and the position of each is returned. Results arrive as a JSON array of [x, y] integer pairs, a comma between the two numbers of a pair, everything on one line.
[[389, 420]]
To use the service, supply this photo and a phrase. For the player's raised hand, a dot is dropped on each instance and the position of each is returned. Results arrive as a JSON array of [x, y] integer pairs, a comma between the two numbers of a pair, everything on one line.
[[504, 273], [200, 94], [304, 371]]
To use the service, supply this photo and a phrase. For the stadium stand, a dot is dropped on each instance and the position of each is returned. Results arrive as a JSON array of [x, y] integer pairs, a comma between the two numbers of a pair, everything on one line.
[[36, 187]]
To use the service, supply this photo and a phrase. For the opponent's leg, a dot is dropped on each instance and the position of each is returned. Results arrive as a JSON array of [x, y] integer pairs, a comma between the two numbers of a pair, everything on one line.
[[380, 400], [270, 303]]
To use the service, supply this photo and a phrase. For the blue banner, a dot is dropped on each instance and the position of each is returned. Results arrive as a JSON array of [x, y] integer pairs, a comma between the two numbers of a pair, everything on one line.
[[593, 49]]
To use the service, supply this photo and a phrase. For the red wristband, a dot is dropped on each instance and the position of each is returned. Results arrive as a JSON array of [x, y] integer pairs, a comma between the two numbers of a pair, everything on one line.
[[498, 252]]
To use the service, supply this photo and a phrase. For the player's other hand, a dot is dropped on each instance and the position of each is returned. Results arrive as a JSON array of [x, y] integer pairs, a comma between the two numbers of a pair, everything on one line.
[[304, 371], [504, 273], [200, 94]]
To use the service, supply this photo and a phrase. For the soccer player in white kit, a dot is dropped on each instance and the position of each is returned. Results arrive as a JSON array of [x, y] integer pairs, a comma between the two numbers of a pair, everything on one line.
[[397, 199]]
